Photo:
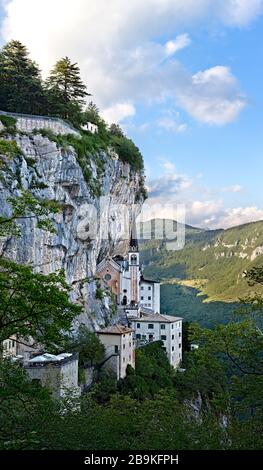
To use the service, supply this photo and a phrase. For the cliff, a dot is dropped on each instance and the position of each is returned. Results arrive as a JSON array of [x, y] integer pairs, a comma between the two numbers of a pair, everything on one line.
[[53, 173]]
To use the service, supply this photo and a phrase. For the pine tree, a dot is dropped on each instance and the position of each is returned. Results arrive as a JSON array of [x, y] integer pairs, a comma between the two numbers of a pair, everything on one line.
[[66, 90], [21, 88]]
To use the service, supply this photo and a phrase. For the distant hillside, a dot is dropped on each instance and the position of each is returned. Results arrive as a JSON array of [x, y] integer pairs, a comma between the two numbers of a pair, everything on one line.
[[213, 261]]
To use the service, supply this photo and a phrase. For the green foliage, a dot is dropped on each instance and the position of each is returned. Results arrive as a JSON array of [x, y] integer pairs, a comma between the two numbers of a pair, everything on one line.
[[34, 305], [215, 257], [9, 122], [21, 87], [87, 344], [66, 90], [9, 149], [153, 373], [127, 151], [24, 408], [99, 291]]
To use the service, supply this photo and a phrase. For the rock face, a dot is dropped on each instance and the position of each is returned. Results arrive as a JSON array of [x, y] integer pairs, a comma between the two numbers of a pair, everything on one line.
[[79, 241]]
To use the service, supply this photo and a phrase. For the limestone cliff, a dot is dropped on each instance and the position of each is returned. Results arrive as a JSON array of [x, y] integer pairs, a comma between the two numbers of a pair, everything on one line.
[[52, 173]]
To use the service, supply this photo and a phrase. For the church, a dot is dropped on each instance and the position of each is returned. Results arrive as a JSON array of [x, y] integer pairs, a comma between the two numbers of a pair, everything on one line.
[[133, 292], [138, 301]]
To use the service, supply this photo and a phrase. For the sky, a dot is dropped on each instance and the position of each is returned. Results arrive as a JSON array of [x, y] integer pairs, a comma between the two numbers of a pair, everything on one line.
[[184, 80]]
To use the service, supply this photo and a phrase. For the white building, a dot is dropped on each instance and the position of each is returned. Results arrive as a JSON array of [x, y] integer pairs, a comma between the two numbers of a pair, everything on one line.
[[155, 327], [9, 347], [119, 346], [58, 373], [89, 126], [150, 294]]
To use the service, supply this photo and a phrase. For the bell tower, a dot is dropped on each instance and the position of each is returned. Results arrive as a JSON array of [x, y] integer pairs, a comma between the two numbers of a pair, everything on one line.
[[134, 267]]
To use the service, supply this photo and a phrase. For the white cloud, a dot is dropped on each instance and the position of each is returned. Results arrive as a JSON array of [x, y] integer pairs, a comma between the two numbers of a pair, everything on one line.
[[236, 188], [118, 54], [240, 12], [118, 112], [180, 42], [171, 125], [213, 96], [239, 216]]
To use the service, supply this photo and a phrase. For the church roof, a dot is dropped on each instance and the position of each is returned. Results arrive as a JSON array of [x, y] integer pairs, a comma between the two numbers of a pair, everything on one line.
[[148, 281], [115, 330]]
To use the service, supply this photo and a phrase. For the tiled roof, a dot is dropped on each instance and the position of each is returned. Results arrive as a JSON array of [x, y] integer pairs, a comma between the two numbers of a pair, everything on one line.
[[157, 317], [115, 330]]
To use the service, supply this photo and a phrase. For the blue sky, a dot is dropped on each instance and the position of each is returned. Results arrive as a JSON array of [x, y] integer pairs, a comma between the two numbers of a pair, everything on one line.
[[184, 79]]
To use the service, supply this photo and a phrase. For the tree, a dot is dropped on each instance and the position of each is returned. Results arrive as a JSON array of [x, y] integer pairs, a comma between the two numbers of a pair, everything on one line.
[[21, 89], [34, 305], [25, 407], [88, 345], [66, 90], [115, 129]]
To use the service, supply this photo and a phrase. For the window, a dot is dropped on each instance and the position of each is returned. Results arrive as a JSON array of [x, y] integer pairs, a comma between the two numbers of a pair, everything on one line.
[[149, 298], [123, 360], [149, 288], [172, 336], [133, 259], [129, 357], [125, 291], [142, 298], [163, 337], [162, 327], [151, 326], [116, 349], [173, 348], [13, 344], [172, 325], [180, 346], [138, 336], [142, 288], [129, 345], [180, 334], [124, 346], [107, 277], [138, 325]]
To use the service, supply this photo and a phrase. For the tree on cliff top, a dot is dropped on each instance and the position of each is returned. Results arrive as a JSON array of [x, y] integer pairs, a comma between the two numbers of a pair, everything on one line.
[[21, 88], [67, 92]]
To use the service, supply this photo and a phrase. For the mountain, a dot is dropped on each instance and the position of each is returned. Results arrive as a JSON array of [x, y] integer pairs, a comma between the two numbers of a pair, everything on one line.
[[50, 171], [212, 263]]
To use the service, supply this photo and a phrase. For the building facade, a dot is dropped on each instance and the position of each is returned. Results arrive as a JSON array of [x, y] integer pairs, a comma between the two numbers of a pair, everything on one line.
[[119, 344], [155, 327], [126, 281], [9, 347], [139, 299], [58, 373]]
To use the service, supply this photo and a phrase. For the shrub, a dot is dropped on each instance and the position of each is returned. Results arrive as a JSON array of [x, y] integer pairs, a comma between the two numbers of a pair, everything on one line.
[[9, 149], [9, 122]]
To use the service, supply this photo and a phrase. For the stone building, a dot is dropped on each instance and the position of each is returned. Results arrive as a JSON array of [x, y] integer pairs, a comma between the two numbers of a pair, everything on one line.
[[58, 373], [119, 346]]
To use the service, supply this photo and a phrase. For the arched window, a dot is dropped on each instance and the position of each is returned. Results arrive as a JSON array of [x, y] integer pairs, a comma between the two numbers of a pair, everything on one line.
[[133, 259], [124, 300]]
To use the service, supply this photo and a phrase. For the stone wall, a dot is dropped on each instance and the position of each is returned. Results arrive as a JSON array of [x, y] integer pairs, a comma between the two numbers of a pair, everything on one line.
[[26, 123]]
